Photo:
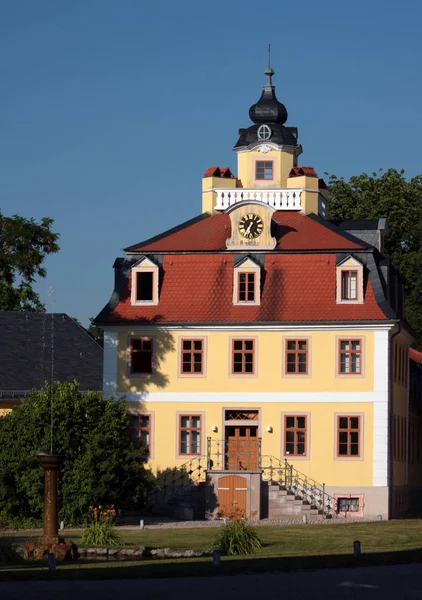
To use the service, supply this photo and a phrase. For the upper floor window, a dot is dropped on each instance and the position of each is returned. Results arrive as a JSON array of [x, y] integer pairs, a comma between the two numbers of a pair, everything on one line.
[[264, 170], [144, 282], [192, 356], [141, 359], [349, 281], [296, 357], [350, 357], [243, 357], [246, 283]]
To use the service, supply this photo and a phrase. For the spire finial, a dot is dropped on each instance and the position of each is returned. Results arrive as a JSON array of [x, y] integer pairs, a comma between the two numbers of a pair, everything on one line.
[[269, 71]]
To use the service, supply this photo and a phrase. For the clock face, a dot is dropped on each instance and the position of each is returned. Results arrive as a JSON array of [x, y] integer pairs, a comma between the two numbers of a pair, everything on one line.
[[251, 226]]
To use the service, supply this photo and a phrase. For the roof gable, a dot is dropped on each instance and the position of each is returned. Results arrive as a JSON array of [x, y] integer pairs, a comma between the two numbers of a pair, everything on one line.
[[246, 263], [28, 357], [145, 262], [293, 231], [349, 261]]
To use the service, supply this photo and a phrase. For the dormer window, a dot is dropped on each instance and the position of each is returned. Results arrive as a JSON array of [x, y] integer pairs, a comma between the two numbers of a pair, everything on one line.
[[144, 283], [246, 287], [349, 285], [349, 281], [246, 283], [144, 286]]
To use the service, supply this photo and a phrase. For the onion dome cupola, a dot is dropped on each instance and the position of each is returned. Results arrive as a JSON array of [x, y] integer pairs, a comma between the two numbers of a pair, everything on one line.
[[269, 116]]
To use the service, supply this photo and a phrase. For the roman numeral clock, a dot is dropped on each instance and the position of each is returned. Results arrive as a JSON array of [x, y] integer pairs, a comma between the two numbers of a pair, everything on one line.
[[251, 228]]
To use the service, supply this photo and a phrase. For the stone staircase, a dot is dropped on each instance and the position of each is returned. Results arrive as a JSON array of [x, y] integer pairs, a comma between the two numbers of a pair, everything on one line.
[[284, 503]]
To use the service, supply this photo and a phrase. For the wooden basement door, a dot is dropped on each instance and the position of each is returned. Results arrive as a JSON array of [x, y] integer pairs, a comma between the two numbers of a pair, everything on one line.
[[241, 448], [232, 495]]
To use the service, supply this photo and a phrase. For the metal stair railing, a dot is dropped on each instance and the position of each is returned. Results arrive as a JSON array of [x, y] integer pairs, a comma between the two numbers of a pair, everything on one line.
[[287, 476], [173, 483]]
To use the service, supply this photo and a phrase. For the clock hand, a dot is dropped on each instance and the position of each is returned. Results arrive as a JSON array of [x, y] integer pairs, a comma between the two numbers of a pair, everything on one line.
[[249, 228]]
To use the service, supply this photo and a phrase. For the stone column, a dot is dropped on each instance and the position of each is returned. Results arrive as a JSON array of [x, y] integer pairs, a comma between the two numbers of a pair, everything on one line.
[[50, 463]]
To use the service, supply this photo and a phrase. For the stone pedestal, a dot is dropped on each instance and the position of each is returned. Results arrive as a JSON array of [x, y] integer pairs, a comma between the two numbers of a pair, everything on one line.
[[50, 542], [50, 463]]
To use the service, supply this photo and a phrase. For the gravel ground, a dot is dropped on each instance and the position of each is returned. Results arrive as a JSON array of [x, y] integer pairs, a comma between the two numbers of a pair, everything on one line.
[[163, 523]]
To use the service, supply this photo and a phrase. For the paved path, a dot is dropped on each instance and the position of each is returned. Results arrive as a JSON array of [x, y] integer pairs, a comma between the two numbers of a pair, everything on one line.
[[402, 582]]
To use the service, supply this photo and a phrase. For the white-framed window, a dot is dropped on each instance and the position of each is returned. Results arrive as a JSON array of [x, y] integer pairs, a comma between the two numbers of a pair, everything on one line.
[[144, 283], [349, 280], [264, 132], [247, 283]]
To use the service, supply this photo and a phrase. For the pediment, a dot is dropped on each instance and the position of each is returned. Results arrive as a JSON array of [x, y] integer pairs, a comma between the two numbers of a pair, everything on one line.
[[349, 261], [144, 262]]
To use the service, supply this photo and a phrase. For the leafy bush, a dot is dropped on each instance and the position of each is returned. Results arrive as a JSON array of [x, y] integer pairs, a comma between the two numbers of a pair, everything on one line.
[[100, 531], [100, 465], [237, 536], [8, 552]]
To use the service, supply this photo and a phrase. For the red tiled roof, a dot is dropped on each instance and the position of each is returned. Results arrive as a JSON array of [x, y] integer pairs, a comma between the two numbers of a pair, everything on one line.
[[199, 288], [415, 355], [298, 171], [295, 231], [217, 172]]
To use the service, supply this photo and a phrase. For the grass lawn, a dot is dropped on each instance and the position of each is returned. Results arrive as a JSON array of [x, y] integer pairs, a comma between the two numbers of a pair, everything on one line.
[[284, 548]]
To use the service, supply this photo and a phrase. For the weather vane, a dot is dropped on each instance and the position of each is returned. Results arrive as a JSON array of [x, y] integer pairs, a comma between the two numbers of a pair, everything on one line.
[[269, 55]]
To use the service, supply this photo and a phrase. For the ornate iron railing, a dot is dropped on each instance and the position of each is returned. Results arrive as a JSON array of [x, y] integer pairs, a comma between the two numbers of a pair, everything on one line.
[[281, 472], [234, 455], [172, 483]]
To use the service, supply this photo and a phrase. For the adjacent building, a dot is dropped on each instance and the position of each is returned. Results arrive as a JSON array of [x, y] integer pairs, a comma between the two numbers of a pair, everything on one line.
[[264, 344], [39, 347]]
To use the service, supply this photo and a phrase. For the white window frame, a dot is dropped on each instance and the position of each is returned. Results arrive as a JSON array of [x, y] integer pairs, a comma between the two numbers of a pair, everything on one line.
[[349, 264], [264, 133], [145, 266], [247, 266]]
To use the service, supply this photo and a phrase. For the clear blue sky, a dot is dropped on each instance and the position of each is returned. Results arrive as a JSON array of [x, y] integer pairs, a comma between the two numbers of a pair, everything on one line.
[[111, 111]]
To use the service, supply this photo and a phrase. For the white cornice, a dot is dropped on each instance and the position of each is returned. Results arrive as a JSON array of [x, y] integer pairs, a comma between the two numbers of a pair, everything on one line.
[[252, 327]]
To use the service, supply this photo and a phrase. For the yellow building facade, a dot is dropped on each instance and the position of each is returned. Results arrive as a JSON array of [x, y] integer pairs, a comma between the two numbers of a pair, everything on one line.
[[256, 343]]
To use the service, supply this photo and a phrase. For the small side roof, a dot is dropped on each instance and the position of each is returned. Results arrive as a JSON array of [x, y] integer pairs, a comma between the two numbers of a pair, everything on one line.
[[36, 347]]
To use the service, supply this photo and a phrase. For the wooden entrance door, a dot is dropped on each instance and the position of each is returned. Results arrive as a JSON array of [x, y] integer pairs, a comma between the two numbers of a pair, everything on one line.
[[242, 448], [232, 495]]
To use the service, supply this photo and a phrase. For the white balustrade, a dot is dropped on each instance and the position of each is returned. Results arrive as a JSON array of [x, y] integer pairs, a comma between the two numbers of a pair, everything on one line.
[[288, 199]]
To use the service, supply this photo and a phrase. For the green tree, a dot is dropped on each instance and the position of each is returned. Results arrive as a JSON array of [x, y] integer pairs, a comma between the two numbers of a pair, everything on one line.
[[391, 195], [100, 466], [96, 332], [24, 245]]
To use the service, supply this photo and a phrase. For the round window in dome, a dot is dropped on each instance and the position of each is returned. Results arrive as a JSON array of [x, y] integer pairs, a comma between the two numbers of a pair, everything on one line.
[[264, 132]]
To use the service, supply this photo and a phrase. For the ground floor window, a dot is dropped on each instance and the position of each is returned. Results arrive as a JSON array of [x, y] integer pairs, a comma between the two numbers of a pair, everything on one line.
[[190, 427], [348, 436], [350, 504], [295, 435], [141, 431]]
